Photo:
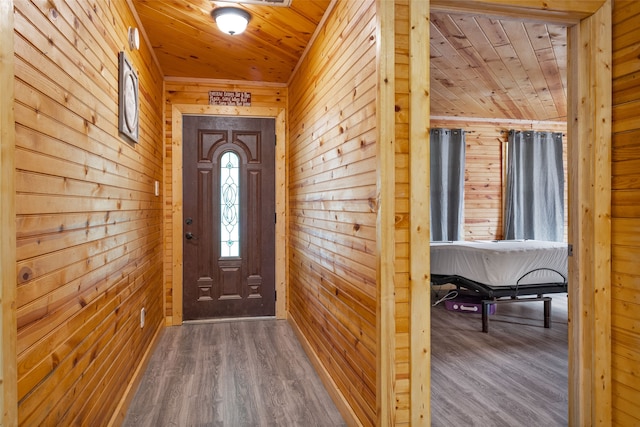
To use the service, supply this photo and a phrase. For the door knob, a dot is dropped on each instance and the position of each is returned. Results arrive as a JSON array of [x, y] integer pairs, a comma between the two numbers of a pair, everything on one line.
[[189, 235]]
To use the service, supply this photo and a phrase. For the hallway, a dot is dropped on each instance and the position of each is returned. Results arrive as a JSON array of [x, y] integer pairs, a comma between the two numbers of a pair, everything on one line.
[[240, 373]]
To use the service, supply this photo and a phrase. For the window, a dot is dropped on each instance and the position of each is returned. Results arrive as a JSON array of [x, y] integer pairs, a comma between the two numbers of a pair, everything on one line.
[[447, 183], [534, 206], [229, 205]]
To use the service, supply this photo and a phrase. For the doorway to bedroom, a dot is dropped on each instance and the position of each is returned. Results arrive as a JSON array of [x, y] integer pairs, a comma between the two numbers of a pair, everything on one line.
[[490, 76]]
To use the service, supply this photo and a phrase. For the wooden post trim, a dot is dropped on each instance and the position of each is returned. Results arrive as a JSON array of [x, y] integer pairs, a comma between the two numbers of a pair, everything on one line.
[[385, 227], [419, 275], [590, 220]]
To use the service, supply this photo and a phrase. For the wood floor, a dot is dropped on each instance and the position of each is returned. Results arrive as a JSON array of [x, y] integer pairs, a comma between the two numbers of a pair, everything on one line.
[[255, 373], [242, 373], [515, 375]]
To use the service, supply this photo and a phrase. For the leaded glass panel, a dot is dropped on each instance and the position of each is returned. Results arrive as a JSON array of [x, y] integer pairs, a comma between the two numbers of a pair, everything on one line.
[[229, 205]]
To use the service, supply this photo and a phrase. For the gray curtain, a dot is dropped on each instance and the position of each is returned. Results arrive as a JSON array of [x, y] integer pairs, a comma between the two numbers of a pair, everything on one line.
[[534, 207], [447, 184]]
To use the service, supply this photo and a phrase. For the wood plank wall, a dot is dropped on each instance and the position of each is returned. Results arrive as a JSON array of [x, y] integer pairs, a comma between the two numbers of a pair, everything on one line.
[[484, 171], [89, 227], [625, 227], [196, 92], [332, 199]]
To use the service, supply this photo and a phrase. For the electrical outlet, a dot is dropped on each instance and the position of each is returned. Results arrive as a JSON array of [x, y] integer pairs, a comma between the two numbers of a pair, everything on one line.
[[142, 317]]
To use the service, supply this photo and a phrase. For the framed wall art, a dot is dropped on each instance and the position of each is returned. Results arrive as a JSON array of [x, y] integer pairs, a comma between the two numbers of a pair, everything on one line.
[[128, 101]]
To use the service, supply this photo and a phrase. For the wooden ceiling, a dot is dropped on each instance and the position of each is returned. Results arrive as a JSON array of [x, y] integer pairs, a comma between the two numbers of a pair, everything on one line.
[[481, 67], [187, 42], [489, 68]]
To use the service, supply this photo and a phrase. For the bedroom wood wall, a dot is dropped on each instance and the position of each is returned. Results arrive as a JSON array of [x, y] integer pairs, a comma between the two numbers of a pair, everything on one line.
[[89, 227], [625, 226], [332, 202], [196, 92], [484, 171]]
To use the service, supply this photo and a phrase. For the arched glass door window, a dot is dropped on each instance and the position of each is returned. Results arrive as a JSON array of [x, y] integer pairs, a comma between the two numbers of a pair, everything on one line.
[[229, 205]]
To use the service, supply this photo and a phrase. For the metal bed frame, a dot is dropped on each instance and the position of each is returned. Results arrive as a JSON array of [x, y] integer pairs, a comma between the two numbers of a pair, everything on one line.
[[506, 294]]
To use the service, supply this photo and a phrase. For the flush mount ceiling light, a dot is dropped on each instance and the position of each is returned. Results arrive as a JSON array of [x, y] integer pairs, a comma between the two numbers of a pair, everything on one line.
[[231, 20]]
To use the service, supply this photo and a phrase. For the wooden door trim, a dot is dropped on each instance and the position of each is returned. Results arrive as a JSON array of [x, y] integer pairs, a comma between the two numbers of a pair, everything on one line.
[[386, 206], [178, 110], [589, 139], [589, 132], [552, 11], [419, 214], [8, 375]]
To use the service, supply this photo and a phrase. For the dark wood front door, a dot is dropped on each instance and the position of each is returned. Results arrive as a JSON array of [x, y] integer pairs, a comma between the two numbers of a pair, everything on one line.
[[229, 217]]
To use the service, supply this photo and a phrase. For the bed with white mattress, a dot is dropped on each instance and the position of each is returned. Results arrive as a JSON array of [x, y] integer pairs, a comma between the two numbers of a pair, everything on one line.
[[502, 271]]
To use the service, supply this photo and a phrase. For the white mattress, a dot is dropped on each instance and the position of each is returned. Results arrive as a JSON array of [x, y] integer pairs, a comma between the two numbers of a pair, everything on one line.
[[500, 263]]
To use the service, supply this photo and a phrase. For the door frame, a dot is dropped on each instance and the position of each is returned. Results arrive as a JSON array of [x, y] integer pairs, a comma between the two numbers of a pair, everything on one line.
[[177, 113], [589, 140], [8, 287]]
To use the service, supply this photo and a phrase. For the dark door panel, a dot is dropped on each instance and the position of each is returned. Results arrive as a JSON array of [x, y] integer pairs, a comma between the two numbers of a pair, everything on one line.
[[229, 206]]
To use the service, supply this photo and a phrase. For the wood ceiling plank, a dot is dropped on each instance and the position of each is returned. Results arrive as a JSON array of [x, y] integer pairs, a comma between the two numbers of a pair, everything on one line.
[[493, 30], [484, 65], [550, 70], [188, 44], [527, 55], [496, 74], [538, 35], [446, 25], [286, 23], [542, 44], [558, 35], [486, 76], [476, 53], [180, 51], [311, 10]]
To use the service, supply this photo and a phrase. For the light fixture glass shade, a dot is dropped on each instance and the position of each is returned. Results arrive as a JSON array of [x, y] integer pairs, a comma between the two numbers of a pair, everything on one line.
[[231, 20]]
